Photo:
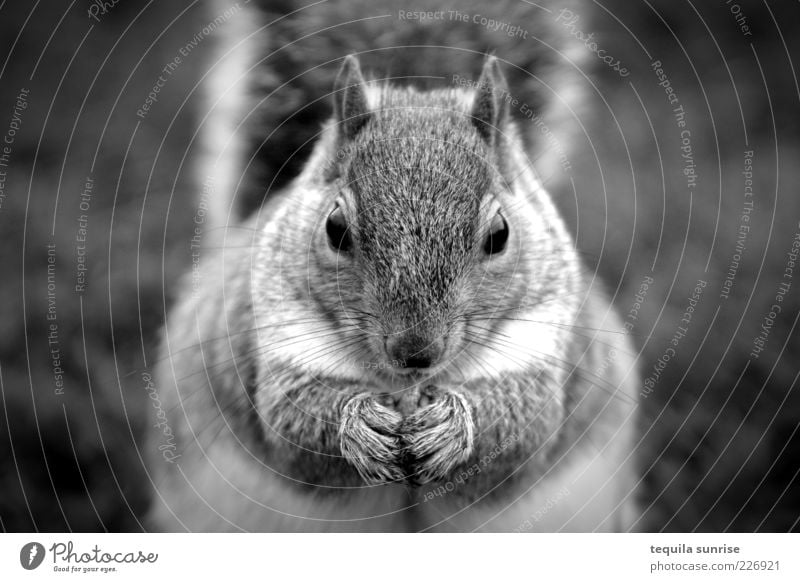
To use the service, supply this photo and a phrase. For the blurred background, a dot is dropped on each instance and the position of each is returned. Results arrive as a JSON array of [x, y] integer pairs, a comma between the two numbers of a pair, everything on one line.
[[679, 171]]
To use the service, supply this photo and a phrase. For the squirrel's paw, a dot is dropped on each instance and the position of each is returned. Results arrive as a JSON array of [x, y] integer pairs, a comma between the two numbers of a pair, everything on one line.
[[439, 436], [368, 439]]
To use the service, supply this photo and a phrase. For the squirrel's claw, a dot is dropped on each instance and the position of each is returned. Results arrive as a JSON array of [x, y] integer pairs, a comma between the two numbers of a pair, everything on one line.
[[438, 437], [368, 439]]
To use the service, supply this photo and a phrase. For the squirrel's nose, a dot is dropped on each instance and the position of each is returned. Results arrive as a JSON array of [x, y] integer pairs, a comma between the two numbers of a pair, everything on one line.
[[410, 350]]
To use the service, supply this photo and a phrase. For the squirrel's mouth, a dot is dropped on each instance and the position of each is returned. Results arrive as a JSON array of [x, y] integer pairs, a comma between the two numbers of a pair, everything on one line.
[[399, 381], [408, 376], [414, 373], [411, 373]]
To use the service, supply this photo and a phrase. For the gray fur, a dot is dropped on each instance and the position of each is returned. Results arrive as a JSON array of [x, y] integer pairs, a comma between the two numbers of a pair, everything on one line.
[[438, 437], [368, 437], [490, 108], [350, 99], [419, 183]]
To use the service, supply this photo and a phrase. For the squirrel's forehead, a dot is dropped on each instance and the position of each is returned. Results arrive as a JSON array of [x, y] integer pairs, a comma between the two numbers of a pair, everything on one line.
[[419, 191], [423, 171]]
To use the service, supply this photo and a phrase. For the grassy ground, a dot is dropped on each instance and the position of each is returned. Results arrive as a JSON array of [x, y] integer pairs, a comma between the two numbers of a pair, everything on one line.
[[720, 446]]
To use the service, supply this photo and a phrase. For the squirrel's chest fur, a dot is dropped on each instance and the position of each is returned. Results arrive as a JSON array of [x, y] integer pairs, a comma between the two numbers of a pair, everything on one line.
[[221, 482]]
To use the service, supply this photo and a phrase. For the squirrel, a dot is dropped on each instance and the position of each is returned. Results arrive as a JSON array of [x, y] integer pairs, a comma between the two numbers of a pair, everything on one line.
[[404, 339]]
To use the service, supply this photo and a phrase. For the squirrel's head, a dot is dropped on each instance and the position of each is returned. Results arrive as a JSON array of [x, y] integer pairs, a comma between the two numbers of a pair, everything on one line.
[[419, 238]]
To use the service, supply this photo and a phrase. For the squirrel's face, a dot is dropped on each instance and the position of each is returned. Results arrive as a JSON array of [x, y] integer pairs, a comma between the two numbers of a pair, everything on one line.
[[417, 233], [415, 252]]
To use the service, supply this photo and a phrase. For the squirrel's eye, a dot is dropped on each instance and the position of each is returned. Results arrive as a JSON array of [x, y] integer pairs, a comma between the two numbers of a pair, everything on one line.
[[338, 231], [498, 235]]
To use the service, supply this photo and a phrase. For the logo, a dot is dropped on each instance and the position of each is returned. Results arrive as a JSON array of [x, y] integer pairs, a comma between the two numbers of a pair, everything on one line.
[[31, 555]]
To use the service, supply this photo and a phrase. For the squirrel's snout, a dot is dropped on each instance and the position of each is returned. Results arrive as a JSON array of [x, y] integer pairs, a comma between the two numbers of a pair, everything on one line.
[[413, 350]]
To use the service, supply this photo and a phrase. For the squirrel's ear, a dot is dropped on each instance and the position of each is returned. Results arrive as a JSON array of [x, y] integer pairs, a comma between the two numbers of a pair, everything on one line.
[[350, 99], [490, 107]]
